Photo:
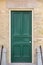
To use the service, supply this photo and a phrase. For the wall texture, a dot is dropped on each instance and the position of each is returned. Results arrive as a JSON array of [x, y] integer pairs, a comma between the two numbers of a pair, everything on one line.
[[37, 22]]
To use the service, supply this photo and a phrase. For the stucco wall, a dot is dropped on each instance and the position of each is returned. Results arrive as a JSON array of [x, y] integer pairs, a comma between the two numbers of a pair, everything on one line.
[[4, 26], [37, 25]]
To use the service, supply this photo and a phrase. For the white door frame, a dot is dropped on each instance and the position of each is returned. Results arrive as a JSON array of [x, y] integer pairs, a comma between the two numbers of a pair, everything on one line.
[[20, 9]]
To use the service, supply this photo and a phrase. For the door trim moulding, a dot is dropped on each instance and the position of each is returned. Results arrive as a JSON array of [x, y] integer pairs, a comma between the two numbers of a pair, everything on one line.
[[20, 9]]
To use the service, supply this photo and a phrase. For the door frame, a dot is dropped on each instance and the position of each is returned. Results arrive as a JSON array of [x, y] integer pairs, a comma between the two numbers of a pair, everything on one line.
[[20, 9]]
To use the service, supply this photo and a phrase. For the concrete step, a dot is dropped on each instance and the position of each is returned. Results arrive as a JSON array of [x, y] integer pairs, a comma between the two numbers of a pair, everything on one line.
[[21, 64]]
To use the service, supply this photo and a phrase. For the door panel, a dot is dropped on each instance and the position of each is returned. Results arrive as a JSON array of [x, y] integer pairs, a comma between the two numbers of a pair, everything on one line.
[[21, 36]]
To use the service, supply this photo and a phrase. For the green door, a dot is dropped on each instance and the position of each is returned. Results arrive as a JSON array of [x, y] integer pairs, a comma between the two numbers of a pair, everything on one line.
[[21, 36]]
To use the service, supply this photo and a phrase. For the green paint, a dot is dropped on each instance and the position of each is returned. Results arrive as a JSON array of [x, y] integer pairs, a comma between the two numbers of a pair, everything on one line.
[[21, 35]]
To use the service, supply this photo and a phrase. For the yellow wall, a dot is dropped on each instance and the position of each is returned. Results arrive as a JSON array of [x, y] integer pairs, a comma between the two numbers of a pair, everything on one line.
[[4, 26], [37, 26]]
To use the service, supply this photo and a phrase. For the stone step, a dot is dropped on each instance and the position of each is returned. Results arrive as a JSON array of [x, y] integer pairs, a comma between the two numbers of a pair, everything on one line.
[[21, 64]]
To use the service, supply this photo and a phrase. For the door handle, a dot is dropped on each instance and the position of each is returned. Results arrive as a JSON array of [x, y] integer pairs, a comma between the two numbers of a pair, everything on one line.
[[29, 41]]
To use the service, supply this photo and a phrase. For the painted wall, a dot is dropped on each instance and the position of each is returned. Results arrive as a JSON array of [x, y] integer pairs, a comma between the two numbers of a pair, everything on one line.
[[37, 23]]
